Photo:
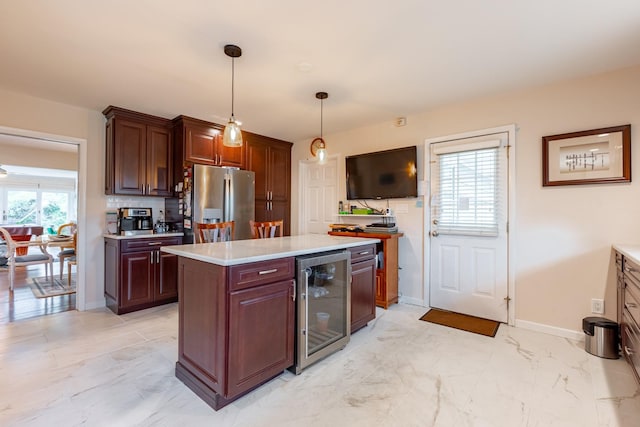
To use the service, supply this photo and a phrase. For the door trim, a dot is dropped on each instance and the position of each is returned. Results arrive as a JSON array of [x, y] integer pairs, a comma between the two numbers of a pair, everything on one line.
[[81, 303], [511, 205]]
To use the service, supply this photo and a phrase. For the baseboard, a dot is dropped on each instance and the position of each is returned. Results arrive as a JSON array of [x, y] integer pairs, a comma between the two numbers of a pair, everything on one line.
[[411, 301], [551, 330], [94, 304]]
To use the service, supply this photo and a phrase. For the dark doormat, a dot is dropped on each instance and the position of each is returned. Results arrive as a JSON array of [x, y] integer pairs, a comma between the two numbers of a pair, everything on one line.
[[464, 322]]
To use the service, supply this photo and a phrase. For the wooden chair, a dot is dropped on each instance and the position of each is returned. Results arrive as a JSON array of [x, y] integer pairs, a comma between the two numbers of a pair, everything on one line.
[[216, 231], [266, 229], [66, 229], [72, 259], [25, 260]]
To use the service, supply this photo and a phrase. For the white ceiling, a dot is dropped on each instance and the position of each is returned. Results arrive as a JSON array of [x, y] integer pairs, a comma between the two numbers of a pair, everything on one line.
[[377, 59]]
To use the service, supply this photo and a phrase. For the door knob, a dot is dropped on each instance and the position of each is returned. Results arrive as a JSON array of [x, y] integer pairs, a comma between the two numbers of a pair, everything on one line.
[[434, 233]]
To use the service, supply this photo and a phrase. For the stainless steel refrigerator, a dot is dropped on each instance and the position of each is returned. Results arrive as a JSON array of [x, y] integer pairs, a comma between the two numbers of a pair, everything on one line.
[[216, 194]]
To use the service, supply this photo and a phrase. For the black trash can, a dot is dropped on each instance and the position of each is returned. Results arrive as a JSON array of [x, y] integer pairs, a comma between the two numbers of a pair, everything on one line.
[[601, 337]]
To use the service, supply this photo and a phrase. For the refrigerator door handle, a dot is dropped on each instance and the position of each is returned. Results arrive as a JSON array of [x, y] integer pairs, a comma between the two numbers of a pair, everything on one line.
[[228, 198]]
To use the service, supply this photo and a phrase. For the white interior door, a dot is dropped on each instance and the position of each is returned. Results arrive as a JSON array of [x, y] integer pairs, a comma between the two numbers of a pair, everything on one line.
[[468, 229], [319, 194]]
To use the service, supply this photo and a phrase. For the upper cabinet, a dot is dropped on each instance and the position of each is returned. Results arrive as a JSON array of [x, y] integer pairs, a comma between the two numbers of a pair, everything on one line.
[[200, 142], [139, 154], [270, 159]]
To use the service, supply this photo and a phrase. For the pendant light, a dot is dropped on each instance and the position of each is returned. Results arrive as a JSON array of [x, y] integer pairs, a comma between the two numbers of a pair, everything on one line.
[[232, 135], [318, 146]]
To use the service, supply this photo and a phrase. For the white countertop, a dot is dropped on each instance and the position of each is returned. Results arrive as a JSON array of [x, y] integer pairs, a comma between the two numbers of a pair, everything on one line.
[[141, 236], [629, 251], [253, 250]]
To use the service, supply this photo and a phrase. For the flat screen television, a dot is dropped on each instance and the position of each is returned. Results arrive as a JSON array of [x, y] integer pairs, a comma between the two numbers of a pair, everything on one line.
[[386, 174]]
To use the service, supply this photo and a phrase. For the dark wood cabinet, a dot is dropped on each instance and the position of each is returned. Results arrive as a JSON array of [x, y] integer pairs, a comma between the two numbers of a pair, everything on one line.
[[363, 286], [629, 311], [270, 159], [387, 271], [198, 141], [138, 275], [139, 154], [236, 326]]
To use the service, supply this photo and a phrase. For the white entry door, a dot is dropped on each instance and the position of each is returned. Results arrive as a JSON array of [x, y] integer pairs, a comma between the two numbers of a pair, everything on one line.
[[319, 195], [468, 226]]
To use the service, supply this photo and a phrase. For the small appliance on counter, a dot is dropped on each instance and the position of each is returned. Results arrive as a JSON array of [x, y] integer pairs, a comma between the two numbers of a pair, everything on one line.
[[134, 221]]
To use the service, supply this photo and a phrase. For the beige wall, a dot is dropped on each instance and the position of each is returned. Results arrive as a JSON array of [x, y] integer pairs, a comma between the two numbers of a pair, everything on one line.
[[563, 235], [39, 115], [24, 155]]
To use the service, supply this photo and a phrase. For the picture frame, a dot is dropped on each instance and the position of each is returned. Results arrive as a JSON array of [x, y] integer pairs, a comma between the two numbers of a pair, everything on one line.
[[596, 156]]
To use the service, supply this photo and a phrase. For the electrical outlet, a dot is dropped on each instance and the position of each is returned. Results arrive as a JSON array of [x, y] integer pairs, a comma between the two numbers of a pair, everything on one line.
[[597, 306]]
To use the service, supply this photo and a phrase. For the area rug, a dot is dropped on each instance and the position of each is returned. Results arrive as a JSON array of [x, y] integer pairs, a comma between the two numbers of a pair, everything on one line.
[[43, 288], [463, 322]]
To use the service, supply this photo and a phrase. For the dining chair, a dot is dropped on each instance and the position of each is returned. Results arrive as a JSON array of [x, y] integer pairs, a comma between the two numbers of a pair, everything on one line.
[[66, 229], [216, 231], [266, 229], [25, 260], [72, 260]]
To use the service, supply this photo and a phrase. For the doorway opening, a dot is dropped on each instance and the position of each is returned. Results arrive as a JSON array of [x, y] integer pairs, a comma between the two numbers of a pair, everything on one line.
[[44, 186]]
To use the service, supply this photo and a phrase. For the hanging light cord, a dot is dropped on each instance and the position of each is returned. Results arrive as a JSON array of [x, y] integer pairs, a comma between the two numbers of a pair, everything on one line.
[[232, 83], [321, 118]]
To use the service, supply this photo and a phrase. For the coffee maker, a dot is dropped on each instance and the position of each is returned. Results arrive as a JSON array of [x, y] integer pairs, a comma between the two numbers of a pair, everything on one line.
[[135, 221]]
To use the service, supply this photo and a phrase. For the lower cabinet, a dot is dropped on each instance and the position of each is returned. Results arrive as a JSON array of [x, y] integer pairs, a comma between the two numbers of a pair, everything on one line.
[[363, 286], [138, 275], [236, 326], [629, 300]]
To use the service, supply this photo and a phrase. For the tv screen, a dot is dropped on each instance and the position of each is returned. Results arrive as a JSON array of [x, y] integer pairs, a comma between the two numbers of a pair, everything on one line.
[[386, 174]]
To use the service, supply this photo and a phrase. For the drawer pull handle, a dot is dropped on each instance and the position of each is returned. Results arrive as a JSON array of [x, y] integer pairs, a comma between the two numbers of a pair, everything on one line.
[[363, 253], [631, 304], [629, 351], [629, 269], [267, 271], [154, 243]]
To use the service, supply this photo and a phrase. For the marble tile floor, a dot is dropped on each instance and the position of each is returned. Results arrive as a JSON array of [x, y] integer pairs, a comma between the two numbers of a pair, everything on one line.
[[97, 369]]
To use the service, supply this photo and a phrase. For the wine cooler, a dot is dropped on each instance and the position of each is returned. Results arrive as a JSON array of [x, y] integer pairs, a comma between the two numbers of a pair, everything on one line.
[[323, 306]]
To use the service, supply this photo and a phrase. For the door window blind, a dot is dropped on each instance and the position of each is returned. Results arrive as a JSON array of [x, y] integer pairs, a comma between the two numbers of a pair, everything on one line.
[[466, 201]]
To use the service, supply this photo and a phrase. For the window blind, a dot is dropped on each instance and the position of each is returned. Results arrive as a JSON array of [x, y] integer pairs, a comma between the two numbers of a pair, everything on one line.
[[466, 201]]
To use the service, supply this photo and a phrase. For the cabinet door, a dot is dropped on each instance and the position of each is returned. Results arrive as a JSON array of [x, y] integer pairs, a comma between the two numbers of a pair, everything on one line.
[[231, 156], [167, 277], [257, 161], [129, 157], [200, 145], [159, 162], [363, 293], [137, 278], [261, 328], [279, 172]]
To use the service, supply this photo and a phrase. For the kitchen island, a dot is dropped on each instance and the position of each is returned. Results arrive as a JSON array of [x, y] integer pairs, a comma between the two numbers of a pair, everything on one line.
[[237, 311]]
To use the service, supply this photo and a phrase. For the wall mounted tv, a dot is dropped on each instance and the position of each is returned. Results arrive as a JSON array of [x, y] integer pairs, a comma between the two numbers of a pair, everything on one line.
[[386, 174]]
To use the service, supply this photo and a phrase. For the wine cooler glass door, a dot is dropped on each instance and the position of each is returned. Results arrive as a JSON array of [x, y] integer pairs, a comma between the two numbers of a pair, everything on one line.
[[324, 306]]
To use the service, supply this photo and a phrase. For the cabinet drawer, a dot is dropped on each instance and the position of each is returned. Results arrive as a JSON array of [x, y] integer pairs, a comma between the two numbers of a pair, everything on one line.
[[129, 245], [259, 273], [631, 344], [632, 302], [632, 271], [362, 253]]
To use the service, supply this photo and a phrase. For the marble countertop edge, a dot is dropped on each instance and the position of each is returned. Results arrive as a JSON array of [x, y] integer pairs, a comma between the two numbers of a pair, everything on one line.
[[254, 250]]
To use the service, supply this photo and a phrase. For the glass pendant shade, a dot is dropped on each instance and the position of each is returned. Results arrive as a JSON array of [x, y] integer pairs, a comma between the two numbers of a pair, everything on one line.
[[232, 136], [321, 154]]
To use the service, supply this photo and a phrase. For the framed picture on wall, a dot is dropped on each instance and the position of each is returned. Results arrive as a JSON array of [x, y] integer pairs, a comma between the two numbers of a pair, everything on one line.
[[597, 156]]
